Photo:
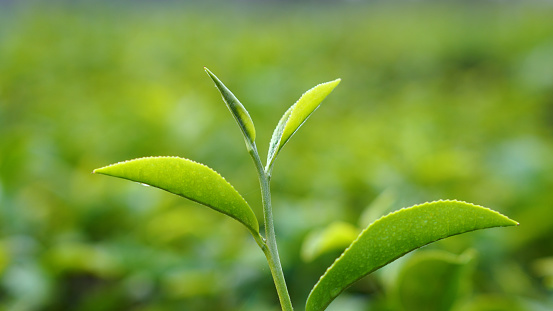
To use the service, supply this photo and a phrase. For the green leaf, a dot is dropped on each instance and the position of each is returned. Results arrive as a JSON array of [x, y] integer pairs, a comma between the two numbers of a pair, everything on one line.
[[396, 234], [188, 179], [295, 116], [336, 237], [238, 111], [432, 280], [499, 302], [382, 205]]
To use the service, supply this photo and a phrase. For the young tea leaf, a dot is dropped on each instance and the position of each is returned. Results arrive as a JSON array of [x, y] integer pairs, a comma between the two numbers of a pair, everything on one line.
[[275, 138], [238, 111], [396, 234], [295, 116], [188, 179]]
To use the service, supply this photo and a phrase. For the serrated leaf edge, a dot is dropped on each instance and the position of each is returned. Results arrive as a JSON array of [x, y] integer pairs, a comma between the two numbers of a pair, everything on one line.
[[286, 116], [252, 230], [282, 143], [390, 214], [156, 157]]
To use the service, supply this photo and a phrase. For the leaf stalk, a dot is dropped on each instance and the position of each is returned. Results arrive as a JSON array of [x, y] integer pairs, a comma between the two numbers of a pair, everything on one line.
[[271, 249]]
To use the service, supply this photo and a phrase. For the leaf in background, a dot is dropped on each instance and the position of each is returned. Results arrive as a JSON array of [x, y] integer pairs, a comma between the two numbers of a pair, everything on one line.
[[432, 280], [188, 179], [84, 257], [4, 257], [238, 111], [295, 116], [501, 302], [336, 237], [396, 234], [543, 268], [379, 207]]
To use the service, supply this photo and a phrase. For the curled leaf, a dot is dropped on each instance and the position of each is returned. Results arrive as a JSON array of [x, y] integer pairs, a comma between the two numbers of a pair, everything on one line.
[[238, 111], [188, 179], [396, 234], [295, 116]]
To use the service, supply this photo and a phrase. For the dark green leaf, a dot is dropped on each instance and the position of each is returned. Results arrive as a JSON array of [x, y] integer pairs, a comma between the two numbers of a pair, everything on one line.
[[432, 280], [238, 111]]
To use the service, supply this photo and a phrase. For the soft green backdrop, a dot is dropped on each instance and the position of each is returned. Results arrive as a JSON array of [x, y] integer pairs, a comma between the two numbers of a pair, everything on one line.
[[436, 101]]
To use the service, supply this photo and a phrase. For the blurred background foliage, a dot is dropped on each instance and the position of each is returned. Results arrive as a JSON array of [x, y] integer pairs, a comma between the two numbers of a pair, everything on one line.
[[436, 101]]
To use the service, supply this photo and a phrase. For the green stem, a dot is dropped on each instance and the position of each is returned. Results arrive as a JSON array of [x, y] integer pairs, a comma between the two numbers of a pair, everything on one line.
[[270, 249]]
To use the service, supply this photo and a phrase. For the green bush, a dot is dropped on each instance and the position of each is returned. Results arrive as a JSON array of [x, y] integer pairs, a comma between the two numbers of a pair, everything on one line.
[[440, 102]]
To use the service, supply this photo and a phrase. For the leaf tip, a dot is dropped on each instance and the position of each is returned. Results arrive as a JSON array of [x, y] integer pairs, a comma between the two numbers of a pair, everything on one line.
[[99, 170], [334, 83]]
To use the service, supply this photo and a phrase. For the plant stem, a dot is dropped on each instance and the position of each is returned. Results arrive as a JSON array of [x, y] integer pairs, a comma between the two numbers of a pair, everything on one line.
[[270, 249]]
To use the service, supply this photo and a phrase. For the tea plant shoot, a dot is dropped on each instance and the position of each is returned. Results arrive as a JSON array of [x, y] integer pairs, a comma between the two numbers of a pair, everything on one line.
[[382, 242]]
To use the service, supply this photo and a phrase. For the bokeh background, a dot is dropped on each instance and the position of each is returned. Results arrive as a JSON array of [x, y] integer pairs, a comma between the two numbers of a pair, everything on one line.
[[438, 100]]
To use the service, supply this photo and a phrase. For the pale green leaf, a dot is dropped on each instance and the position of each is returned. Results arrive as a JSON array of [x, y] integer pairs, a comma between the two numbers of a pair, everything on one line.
[[188, 179], [379, 207], [238, 111], [396, 234], [336, 237], [295, 116], [543, 267]]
